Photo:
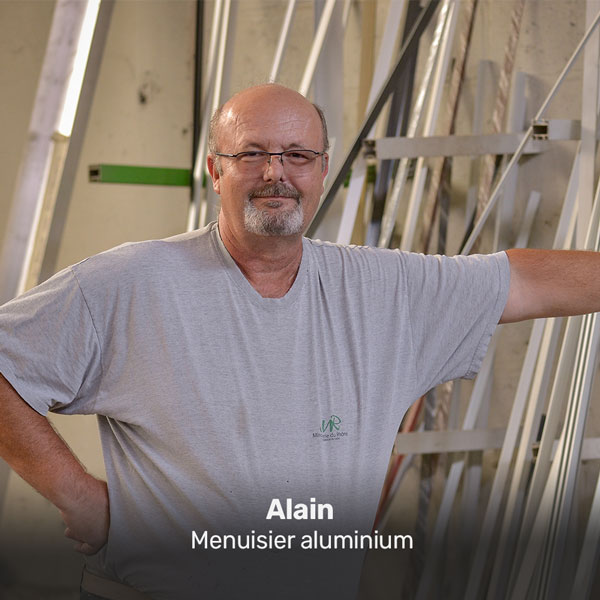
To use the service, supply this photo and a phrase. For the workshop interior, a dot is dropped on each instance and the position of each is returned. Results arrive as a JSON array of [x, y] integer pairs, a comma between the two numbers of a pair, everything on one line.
[[456, 127]]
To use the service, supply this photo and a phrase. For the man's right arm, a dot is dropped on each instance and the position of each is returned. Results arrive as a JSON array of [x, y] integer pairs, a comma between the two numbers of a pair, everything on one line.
[[29, 444]]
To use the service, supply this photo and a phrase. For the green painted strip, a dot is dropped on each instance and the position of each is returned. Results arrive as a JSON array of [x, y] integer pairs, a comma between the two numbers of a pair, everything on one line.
[[140, 175]]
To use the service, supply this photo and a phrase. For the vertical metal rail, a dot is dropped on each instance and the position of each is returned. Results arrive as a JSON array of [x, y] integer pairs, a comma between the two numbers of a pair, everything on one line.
[[47, 170], [473, 414], [470, 498], [216, 63], [441, 165], [515, 124], [589, 125], [397, 118], [45, 255], [554, 555], [435, 99], [501, 101], [283, 39], [198, 62], [521, 470], [554, 509], [573, 431], [41, 144], [328, 76], [582, 585], [393, 202], [538, 349], [428, 576], [526, 549], [316, 47], [382, 67], [201, 149], [381, 99], [484, 74], [425, 484]]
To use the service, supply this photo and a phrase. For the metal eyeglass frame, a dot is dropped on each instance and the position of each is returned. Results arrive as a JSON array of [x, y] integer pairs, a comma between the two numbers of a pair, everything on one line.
[[270, 155]]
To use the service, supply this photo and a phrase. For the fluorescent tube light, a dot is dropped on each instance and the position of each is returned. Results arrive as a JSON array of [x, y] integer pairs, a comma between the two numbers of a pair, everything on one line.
[[67, 117]]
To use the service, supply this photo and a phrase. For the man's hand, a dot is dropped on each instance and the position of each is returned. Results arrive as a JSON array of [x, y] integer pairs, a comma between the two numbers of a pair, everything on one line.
[[88, 518], [36, 452]]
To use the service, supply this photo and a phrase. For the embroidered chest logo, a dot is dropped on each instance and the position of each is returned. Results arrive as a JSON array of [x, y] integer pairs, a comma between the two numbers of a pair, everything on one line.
[[331, 429]]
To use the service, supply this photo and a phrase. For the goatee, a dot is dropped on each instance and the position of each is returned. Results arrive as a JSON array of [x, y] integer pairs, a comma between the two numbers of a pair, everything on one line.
[[282, 221]]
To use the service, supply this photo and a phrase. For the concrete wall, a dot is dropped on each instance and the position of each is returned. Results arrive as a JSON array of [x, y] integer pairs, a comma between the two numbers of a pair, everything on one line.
[[142, 114]]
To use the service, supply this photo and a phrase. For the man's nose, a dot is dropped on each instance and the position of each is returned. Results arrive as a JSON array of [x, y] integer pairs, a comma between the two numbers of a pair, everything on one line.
[[274, 169]]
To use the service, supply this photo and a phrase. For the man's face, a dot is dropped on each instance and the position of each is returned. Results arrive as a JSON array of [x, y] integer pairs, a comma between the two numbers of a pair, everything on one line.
[[268, 199]]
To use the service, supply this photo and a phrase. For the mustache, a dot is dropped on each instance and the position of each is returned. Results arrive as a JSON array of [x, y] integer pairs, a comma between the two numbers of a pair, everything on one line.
[[275, 189]]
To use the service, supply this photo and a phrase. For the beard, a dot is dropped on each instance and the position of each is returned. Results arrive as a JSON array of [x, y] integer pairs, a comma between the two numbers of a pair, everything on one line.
[[282, 221]]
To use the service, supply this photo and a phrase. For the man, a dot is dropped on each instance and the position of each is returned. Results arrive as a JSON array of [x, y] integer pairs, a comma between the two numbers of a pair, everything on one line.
[[248, 381]]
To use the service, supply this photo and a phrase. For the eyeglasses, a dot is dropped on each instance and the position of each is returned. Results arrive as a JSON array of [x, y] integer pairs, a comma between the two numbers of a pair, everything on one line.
[[294, 161]]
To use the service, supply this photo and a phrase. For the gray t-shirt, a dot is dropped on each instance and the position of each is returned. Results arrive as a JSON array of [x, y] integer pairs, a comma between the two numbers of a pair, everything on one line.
[[213, 401]]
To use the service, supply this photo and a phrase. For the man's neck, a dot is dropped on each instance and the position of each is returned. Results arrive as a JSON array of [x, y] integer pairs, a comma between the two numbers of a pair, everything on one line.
[[269, 263]]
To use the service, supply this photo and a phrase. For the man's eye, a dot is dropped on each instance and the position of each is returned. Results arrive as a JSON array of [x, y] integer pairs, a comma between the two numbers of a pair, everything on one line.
[[299, 155], [251, 156]]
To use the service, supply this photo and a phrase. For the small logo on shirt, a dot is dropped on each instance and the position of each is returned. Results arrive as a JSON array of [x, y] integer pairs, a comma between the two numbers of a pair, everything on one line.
[[331, 429], [333, 423]]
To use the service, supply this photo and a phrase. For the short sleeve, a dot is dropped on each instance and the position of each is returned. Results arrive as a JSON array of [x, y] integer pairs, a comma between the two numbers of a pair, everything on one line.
[[455, 304], [49, 349]]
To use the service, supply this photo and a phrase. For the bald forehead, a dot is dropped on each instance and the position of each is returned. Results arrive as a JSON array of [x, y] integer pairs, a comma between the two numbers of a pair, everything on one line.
[[268, 110], [268, 91]]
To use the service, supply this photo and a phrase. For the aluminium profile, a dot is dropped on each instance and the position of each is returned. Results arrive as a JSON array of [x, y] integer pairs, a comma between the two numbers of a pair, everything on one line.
[[488, 164], [555, 507], [536, 389], [46, 255], [589, 125], [315, 50], [435, 99], [357, 182], [283, 39], [198, 208], [384, 61], [506, 205], [579, 399], [381, 98], [484, 74], [34, 169], [456, 145], [511, 528], [443, 517], [392, 204], [588, 559]]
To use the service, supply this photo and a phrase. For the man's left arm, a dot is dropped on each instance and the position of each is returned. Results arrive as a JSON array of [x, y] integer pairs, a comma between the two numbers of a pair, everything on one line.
[[552, 283]]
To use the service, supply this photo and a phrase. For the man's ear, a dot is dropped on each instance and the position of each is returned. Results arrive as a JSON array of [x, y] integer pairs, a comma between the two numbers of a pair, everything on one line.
[[214, 173]]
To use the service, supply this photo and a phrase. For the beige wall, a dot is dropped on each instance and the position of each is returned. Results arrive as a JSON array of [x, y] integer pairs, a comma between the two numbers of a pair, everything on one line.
[[24, 28]]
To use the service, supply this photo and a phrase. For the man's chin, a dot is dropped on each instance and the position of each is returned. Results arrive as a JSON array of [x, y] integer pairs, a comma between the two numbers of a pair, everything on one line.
[[272, 223]]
